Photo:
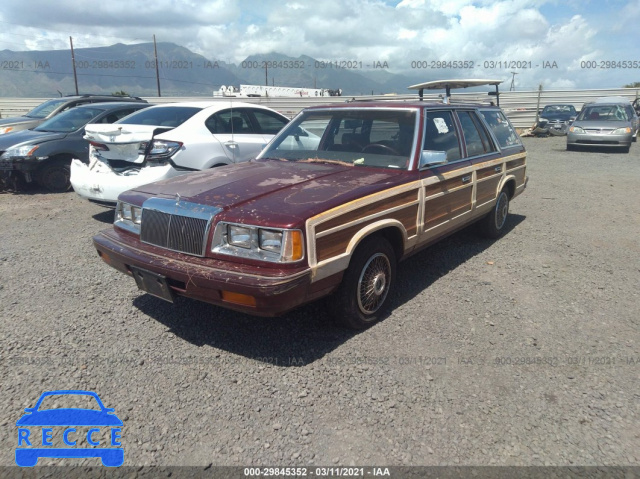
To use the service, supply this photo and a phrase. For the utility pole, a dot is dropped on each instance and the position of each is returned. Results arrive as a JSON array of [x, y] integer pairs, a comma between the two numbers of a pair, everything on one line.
[[155, 52], [73, 62], [513, 86], [266, 74], [538, 104]]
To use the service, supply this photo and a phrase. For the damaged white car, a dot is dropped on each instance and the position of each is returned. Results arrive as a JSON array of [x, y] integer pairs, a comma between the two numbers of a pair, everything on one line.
[[169, 140]]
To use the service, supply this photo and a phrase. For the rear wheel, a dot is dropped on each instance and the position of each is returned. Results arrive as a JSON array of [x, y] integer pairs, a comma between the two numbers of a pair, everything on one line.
[[54, 176], [362, 296], [493, 225]]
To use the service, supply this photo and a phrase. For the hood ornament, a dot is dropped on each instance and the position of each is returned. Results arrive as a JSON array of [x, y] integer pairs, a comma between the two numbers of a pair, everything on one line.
[[177, 199]]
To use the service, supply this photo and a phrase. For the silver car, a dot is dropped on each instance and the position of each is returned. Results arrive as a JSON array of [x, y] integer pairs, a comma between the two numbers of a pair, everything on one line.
[[607, 122]]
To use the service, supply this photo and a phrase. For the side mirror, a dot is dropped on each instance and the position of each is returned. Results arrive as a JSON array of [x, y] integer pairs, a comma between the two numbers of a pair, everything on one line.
[[430, 158]]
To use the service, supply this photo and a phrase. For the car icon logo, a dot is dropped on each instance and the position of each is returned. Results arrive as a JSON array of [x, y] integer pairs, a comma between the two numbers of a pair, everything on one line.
[[87, 426]]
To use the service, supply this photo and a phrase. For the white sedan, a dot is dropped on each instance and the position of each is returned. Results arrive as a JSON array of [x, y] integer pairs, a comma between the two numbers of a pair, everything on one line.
[[169, 140]]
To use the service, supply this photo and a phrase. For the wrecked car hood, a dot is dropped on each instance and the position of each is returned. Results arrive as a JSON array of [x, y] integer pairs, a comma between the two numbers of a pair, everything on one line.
[[276, 192], [116, 134], [123, 141]]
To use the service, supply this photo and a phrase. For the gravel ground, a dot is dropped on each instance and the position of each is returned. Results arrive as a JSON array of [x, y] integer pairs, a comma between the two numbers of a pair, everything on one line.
[[522, 351]]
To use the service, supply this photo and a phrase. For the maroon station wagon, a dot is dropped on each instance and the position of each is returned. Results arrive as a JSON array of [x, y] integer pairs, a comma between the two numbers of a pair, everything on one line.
[[331, 205]]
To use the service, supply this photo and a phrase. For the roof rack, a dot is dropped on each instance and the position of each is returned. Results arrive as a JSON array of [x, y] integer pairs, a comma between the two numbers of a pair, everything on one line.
[[449, 84]]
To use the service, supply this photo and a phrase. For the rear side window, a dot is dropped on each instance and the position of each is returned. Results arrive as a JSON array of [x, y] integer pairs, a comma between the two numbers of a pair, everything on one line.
[[502, 129], [475, 136], [230, 121], [269, 122], [440, 134], [162, 116]]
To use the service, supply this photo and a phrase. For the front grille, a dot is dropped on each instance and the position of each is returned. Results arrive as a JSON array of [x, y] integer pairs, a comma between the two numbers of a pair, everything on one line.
[[175, 232]]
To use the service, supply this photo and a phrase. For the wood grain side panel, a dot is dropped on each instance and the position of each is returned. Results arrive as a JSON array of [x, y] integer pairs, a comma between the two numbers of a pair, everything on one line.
[[370, 209], [489, 171], [335, 244], [520, 176], [445, 185], [445, 207], [486, 190], [515, 163]]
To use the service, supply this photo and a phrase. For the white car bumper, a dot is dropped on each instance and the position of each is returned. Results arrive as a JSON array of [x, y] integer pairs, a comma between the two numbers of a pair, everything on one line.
[[99, 183]]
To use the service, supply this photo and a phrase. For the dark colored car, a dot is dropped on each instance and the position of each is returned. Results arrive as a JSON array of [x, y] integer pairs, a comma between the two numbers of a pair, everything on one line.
[[51, 108], [557, 118], [44, 153], [331, 205]]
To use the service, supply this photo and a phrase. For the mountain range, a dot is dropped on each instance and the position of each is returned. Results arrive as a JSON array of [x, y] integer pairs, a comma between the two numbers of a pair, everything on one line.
[[132, 69]]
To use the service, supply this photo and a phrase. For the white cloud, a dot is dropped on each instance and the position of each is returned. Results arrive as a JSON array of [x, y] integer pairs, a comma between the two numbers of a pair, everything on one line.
[[366, 30]]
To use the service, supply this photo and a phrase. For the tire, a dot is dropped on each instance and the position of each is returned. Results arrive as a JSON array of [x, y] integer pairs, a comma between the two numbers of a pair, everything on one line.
[[54, 176], [626, 149], [493, 225], [373, 264]]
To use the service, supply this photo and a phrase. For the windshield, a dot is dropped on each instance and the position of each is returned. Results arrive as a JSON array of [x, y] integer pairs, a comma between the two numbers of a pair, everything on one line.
[[566, 110], [603, 113], [44, 110], [352, 137], [161, 116], [73, 401], [70, 120]]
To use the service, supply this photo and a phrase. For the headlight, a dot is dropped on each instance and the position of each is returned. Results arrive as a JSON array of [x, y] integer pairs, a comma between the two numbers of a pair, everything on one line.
[[239, 236], [6, 129], [263, 244], [22, 151], [576, 129], [621, 131], [163, 149], [271, 240], [128, 217]]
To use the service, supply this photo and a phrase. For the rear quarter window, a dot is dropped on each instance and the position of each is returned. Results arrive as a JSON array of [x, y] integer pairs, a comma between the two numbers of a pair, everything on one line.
[[501, 128]]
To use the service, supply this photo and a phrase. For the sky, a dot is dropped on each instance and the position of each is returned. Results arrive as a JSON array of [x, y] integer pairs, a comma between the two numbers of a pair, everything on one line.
[[559, 44]]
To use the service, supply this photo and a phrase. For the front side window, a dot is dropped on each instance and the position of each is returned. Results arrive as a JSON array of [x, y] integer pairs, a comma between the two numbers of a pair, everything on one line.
[[502, 129], [368, 137]]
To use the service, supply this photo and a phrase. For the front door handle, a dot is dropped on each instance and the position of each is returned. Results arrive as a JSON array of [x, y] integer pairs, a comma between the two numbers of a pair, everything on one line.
[[466, 179]]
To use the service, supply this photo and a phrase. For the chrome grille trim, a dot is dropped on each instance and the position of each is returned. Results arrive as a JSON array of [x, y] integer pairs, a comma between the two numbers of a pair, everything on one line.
[[176, 225]]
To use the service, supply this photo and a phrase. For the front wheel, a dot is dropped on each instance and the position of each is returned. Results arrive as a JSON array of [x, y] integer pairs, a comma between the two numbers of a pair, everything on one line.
[[55, 176], [360, 300], [493, 225]]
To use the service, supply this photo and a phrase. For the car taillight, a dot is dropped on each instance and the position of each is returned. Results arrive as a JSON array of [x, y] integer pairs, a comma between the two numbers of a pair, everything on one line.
[[99, 146]]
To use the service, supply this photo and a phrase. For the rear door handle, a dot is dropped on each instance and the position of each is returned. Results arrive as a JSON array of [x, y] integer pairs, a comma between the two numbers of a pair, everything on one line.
[[466, 179], [498, 168], [231, 144]]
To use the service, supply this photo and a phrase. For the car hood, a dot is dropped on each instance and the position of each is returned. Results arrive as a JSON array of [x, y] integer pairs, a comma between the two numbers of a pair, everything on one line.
[[555, 117], [17, 119], [28, 136], [69, 417], [595, 124], [274, 192]]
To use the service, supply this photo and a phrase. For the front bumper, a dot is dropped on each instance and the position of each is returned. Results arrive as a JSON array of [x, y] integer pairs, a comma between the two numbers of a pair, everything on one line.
[[276, 290], [97, 182], [595, 139], [23, 165]]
